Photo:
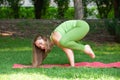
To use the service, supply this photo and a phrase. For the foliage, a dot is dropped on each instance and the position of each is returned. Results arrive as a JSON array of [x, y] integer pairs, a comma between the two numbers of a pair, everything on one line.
[[69, 13], [1, 1], [51, 13], [110, 24], [117, 29], [92, 12], [5, 12], [28, 13], [113, 27], [85, 3], [104, 7], [111, 14], [15, 7]]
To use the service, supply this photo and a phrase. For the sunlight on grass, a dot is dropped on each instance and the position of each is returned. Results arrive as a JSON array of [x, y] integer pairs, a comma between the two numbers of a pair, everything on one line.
[[28, 76], [38, 76], [112, 47]]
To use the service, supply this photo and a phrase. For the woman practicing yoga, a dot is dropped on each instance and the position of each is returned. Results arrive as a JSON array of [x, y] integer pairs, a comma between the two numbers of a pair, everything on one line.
[[65, 36]]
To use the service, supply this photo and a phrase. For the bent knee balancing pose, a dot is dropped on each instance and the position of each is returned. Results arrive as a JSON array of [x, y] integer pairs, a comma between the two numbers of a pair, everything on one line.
[[66, 37]]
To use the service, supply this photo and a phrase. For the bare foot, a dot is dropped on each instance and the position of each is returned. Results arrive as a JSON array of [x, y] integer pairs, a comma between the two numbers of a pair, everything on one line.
[[89, 51]]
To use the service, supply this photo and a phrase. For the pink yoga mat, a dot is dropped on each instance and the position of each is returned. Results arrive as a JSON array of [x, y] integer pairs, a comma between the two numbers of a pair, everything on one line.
[[79, 64]]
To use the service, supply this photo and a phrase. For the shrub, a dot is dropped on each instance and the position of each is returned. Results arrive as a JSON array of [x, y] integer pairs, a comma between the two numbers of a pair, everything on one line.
[[117, 29], [69, 13], [28, 13], [5, 13], [110, 25], [113, 27], [51, 13]]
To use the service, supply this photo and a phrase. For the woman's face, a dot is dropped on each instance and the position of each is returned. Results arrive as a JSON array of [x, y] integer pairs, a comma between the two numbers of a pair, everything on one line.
[[40, 43]]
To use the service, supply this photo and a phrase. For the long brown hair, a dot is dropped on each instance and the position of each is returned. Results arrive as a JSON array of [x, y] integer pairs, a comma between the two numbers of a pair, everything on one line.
[[39, 54]]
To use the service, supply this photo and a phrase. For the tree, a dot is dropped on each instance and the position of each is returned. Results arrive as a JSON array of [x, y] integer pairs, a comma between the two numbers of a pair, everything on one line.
[[116, 8], [78, 9], [40, 7], [1, 1], [85, 3], [62, 7], [104, 7], [14, 6]]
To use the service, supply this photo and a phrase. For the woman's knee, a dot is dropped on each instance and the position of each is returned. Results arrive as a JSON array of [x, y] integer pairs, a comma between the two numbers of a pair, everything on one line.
[[56, 37]]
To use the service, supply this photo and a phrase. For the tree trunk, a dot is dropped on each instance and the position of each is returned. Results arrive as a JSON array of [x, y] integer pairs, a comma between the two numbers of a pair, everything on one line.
[[116, 8], [78, 9], [15, 11], [38, 5]]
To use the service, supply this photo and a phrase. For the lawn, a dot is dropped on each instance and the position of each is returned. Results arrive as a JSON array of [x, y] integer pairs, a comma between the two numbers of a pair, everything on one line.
[[19, 50]]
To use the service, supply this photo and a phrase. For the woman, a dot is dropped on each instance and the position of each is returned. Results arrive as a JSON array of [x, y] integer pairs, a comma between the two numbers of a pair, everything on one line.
[[65, 36], [41, 47]]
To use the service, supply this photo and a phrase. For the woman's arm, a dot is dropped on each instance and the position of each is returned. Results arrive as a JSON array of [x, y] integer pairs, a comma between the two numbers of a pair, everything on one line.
[[56, 38], [70, 56]]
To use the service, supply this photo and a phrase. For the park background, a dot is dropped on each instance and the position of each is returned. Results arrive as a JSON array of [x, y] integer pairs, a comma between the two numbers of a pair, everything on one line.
[[19, 23]]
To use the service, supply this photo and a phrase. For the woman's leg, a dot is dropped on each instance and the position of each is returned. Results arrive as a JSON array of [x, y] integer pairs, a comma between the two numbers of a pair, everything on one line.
[[69, 39]]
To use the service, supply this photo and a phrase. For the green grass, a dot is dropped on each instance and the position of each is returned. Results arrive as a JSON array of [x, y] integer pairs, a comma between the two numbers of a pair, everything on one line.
[[16, 50]]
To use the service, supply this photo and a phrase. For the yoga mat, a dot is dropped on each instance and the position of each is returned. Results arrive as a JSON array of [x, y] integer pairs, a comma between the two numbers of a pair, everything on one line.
[[79, 64]]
